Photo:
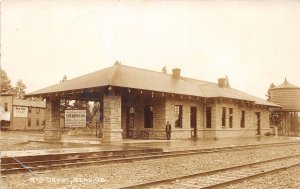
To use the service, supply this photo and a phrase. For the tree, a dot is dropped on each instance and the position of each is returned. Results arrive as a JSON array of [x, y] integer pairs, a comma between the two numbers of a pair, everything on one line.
[[5, 82], [19, 90], [164, 70], [64, 79], [227, 85], [276, 118], [269, 93], [83, 105]]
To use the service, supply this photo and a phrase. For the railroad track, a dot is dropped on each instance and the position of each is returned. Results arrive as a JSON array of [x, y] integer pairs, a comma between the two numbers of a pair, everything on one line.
[[13, 165], [223, 177]]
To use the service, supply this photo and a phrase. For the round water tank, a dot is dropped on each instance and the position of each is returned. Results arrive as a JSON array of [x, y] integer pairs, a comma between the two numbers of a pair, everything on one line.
[[287, 96]]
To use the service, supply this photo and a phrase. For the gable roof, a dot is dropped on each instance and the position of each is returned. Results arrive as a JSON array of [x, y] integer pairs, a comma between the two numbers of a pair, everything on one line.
[[136, 78]]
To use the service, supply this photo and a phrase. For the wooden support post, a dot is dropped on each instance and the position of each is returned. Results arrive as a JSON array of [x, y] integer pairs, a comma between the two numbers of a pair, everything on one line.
[[297, 124], [289, 124], [285, 127], [294, 123]]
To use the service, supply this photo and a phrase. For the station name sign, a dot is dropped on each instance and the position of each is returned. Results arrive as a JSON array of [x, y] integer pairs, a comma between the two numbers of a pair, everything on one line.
[[20, 111], [75, 118]]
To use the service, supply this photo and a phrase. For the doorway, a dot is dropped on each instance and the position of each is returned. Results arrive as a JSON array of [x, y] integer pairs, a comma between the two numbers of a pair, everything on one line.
[[257, 115], [148, 117], [129, 121], [193, 121]]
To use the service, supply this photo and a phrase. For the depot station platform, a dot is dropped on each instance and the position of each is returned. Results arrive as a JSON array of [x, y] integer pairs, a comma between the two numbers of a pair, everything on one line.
[[130, 146]]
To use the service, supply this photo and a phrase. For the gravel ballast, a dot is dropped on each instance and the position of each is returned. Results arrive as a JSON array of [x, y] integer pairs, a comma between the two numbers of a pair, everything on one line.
[[287, 179], [125, 174]]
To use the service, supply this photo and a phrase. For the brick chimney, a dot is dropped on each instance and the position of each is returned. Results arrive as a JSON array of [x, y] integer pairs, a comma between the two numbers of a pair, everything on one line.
[[176, 73], [222, 82]]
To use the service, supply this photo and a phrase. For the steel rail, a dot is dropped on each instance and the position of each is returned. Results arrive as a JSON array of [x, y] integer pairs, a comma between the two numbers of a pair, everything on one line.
[[217, 171], [8, 168]]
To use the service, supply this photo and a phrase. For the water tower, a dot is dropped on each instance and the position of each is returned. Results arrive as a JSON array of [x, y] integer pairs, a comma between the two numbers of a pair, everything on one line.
[[287, 96]]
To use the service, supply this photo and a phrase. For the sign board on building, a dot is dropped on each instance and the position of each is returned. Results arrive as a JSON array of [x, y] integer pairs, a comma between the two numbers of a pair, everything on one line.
[[20, 111], [75, 118]]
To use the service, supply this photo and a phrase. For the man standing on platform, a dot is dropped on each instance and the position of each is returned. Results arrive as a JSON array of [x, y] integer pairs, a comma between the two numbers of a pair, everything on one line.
[[168, 131]]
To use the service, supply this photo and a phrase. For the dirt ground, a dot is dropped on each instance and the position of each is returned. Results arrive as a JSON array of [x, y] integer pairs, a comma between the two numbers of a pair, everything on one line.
[[24, 140]]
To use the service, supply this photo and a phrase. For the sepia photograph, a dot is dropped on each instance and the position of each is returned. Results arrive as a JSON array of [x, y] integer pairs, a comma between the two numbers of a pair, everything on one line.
[[150, 94]]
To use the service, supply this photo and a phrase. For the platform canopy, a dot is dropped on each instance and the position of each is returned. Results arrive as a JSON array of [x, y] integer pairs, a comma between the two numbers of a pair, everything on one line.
[[133, 78]]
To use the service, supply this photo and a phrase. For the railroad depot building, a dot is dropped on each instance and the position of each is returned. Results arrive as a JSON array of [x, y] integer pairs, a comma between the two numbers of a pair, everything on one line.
[[133, 99], [24, 114]]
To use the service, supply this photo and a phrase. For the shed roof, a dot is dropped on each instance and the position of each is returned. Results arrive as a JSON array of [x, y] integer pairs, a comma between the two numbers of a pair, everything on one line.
[[131, 77]]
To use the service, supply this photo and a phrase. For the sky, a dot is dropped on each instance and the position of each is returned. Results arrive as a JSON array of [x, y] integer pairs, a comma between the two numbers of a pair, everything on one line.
[[253, 43]]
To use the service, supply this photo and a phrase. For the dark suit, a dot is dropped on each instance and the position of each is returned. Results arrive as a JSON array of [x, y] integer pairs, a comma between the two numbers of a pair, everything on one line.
[[168, 131]]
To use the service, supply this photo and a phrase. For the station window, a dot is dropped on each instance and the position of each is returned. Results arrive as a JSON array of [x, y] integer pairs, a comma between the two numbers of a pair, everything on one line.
[[130, 117], [242, 119], [178, 115], [208, 117], [37, 122], [29, 110], [6, 107], [223, 117], [230, 117], [148, 116], [29, 122]]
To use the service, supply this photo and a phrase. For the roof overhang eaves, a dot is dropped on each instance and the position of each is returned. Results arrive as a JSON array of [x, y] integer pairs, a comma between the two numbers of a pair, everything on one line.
[[62, 91], [251, 101], [161, 91], [239, 99], [289, 110], [267, 104]]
